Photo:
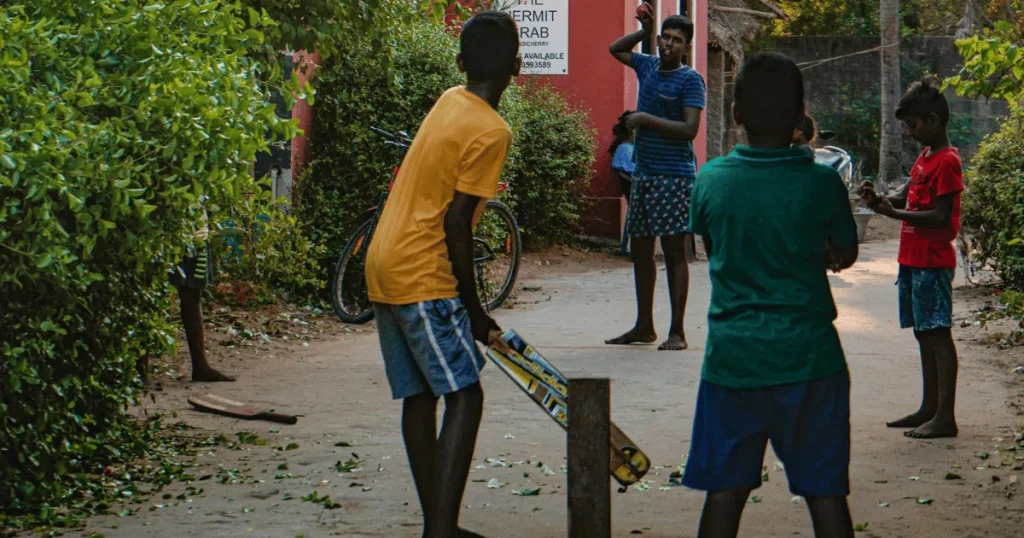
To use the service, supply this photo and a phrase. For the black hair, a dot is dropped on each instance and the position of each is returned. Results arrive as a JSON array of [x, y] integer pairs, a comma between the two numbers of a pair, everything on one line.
[[808, 128], [923, 99], [679, 22], [620, 131], [769, 95], [489, 44]]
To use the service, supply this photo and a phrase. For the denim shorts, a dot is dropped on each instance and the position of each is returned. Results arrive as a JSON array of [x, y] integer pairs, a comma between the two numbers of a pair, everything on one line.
[[428, 347], [925, 298], [807, 423], [659, 206]]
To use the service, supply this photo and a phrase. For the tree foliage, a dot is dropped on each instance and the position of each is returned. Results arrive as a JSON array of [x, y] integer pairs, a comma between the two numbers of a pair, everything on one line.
[[860, 17], [993, 61], [116, 116]]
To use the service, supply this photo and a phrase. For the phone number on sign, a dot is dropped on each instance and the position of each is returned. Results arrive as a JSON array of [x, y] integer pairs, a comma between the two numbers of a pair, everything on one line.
[[536, 65]]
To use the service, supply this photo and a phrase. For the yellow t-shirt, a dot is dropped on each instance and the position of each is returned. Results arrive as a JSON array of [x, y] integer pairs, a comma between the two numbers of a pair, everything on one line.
[[461, 146]]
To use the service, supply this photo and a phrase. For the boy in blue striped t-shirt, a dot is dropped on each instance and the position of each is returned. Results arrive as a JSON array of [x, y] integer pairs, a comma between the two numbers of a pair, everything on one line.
[[667, 120]]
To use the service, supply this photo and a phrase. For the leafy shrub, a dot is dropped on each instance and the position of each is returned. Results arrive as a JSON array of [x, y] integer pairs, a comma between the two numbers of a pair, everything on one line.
[[993, 206], [548, 167], [264, 254], [550, 164], [115, 116], [351, 165]]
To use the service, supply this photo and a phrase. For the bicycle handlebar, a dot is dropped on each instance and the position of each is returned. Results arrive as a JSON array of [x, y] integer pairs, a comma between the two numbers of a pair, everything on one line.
[[399, 138]]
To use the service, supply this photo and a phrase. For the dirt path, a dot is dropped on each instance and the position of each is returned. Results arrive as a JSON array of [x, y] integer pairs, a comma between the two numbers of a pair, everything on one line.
[[338, 385]]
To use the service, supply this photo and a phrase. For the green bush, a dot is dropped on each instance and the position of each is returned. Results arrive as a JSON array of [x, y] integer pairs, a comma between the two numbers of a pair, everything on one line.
[[264, 249], [550, 164], [548, 168], [115, 116], [993, 206], [350, 164]]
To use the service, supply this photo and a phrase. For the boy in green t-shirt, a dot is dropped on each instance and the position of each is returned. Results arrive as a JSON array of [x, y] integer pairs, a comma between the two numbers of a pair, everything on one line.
[[774, 368]]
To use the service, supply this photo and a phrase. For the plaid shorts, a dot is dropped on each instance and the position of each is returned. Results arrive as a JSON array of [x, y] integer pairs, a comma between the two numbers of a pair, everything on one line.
[[195, 270], [659, 206]]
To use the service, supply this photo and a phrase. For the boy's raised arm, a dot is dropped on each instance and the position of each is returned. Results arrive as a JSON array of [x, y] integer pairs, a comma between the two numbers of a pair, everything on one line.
[[622, 49]]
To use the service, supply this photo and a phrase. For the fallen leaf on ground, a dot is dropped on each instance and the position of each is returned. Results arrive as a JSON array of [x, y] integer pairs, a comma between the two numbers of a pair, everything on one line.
[[923, 501], [754, 499], [860, 527], [527, 492], [953, 476], [883, 504], [495, 484], [914, 478]]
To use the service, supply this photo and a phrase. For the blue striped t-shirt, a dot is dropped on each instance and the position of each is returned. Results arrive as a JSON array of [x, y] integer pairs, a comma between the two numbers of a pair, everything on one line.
[[665, 94]]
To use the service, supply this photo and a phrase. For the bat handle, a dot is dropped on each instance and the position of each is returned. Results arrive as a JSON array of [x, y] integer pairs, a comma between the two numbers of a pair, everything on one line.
[[281, 418]]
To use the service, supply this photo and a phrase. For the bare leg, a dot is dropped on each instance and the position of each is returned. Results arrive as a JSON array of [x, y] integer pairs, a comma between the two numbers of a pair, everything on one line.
[[721, 515], [943, 424], [452, 459], [192, 319], [419, 430], [929, 389], [831, 517], [678, 271], [645, 272]]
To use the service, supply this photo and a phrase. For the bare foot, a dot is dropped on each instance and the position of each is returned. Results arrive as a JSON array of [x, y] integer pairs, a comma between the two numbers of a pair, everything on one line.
[[911, 421], [635, 336], [934, 429], [209, 375], [463, 533], [674, 343]]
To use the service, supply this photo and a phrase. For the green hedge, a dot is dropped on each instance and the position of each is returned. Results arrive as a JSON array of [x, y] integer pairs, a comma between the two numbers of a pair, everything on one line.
[[548, 168], [993, 206], [115, 116]]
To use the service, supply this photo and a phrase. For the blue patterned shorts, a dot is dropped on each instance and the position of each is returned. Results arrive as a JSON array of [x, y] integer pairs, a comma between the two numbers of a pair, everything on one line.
[[926, 298], [659, 206], [428, 347]]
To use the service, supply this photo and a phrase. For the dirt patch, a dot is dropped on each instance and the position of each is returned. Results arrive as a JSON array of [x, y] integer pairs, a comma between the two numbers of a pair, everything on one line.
[[883, 229]]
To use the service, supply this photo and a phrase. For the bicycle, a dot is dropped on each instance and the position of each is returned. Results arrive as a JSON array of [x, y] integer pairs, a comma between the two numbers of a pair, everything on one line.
[[497, 251]]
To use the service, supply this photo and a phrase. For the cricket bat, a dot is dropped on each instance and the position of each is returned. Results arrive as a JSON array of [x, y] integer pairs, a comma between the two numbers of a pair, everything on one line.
[[550, 390], [212, 403]]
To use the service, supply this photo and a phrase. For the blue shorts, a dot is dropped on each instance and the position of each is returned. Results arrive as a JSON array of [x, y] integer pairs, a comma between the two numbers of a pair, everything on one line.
[[428, 347], [926, 298], [659, 206], [807, 423]]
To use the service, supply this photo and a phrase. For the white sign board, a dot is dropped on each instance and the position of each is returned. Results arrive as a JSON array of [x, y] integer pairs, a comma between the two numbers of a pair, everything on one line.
[[543, 35]]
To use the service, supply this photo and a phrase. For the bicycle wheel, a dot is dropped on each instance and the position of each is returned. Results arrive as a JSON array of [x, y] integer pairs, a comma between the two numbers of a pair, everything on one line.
[[498, 249], [348, 291]]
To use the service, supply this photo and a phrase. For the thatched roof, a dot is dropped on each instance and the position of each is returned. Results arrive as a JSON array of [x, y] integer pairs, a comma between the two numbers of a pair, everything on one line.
[[731, 30]]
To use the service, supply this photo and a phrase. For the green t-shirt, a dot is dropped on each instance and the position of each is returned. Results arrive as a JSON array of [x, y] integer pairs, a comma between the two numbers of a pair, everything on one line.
[[768, 213]]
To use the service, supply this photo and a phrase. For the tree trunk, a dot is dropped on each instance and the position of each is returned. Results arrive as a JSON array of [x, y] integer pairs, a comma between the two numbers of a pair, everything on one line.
[[889, 170]]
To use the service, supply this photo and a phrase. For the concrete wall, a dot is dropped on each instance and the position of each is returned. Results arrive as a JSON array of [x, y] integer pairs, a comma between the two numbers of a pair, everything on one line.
[[828, 83]]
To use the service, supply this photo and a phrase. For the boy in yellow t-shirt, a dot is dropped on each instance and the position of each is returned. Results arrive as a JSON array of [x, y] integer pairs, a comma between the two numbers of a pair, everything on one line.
[[419, 269]]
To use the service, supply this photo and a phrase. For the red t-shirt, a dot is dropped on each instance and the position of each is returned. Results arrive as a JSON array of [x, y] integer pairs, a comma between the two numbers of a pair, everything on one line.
[[933, 176]]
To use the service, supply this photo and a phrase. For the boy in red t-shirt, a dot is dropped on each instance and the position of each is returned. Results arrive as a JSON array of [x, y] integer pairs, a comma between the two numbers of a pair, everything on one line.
[[929, 207]]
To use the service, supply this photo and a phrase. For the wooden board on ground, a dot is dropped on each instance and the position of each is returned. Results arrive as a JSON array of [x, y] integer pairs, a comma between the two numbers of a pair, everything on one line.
[[212, 403], [550, 390]]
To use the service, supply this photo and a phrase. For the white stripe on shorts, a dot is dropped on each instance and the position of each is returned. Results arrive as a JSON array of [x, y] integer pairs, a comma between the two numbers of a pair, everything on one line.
[[462, 338], [437, 349]]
